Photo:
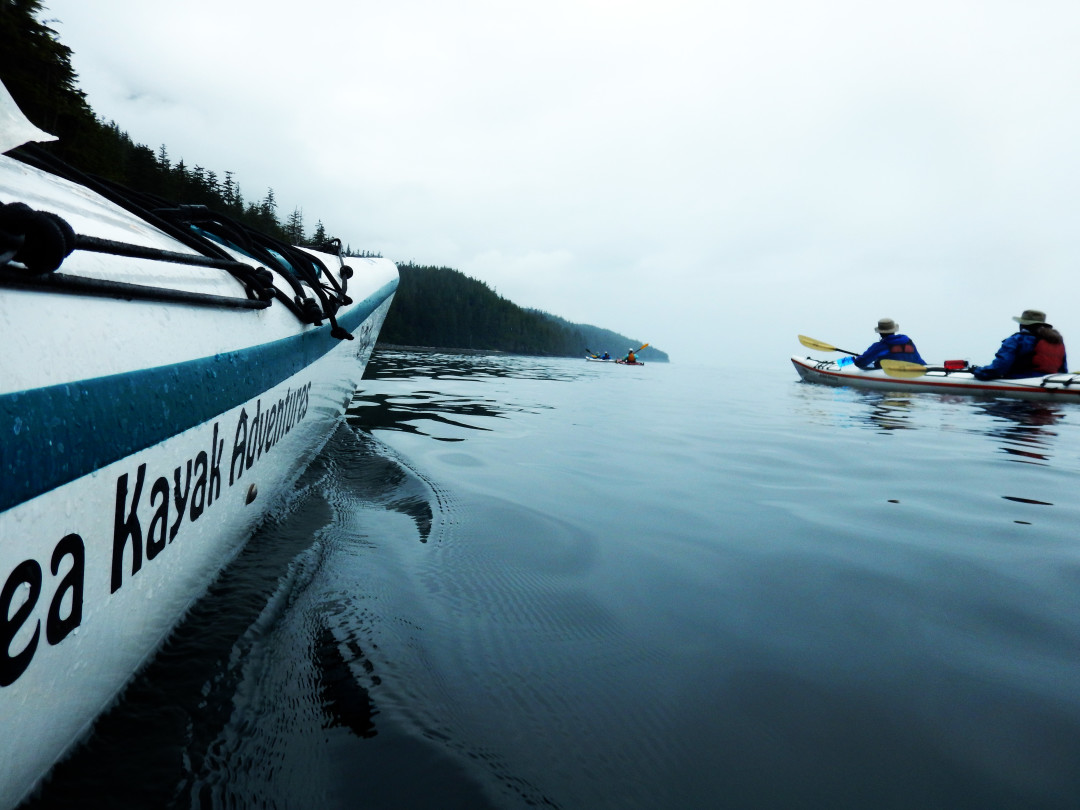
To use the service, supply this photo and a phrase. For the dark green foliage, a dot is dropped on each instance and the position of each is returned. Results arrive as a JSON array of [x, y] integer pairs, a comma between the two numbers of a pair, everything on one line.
[[439, 306], [36, 69], [604, 340]]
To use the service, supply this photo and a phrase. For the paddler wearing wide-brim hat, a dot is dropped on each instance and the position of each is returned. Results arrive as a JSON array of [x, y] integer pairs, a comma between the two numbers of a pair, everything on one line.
[[892, 345], [1030, 317], [1036, 349]]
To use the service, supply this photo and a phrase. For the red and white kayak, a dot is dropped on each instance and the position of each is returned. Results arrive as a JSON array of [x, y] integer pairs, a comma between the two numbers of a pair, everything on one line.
[[1060, 387], [625, 363]]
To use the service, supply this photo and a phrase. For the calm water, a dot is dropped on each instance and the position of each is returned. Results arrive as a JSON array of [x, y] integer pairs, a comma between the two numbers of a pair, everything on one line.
[[517, 582]]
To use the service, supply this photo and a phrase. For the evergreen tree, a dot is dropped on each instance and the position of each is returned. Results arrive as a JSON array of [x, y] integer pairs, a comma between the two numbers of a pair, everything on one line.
[[268, 206], [36, 69], [266, 214], [294, 228], [228, 190]]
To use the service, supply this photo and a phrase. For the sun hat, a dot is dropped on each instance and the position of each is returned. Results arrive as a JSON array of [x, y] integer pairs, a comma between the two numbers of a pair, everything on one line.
[[1030, 316], [887, 326]]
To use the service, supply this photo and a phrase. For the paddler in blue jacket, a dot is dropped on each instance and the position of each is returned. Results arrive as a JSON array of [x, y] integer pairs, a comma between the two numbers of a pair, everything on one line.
[[892, 345], [1036, 349]]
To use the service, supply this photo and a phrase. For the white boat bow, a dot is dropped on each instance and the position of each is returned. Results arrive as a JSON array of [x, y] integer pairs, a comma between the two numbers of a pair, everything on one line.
[[166, 377]]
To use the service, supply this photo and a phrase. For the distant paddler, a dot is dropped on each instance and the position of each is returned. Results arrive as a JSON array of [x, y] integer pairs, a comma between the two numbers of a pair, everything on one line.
[[631, 355]]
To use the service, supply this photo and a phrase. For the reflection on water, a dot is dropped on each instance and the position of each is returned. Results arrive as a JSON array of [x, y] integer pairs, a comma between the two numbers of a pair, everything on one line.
[[389, 484], [347, 702], [1029, 432], [434, 365], [1021, 424], [369, 412], [1024, 428], [410, 410], [888, 411]]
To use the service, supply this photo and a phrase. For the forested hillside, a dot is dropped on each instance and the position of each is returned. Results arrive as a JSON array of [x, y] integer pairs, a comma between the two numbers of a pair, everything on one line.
[[439, 306], [434, 306], [599, 340]]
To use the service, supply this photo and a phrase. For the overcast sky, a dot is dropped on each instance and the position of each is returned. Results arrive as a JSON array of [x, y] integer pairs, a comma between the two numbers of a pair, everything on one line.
[[711, 177]]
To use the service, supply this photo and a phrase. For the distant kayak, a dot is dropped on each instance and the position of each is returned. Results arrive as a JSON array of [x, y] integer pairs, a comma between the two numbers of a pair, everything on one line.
[[940, 380], [600, 359]]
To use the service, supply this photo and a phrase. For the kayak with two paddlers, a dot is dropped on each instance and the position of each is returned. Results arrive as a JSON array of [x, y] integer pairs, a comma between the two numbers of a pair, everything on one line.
[[951, 377], [629, 360]]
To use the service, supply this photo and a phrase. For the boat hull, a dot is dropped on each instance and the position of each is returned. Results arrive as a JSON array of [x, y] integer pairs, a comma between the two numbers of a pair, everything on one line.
[[142, 442], [1059, 387]]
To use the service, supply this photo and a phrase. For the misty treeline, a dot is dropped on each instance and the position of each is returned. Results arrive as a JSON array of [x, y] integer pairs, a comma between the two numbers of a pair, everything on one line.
[[36, 69], [434, 306], [440, 306]]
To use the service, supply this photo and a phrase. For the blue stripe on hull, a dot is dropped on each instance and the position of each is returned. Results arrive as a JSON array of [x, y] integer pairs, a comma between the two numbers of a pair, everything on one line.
[[51, 436]]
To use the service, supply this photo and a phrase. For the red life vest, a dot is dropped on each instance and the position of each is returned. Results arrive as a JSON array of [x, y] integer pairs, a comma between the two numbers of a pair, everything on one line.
[[902, 348], [1048, 357]]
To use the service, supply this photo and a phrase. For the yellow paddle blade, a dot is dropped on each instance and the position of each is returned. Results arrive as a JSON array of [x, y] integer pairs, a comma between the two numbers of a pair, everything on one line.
[[643, 347], [820, 346], [902, 368]]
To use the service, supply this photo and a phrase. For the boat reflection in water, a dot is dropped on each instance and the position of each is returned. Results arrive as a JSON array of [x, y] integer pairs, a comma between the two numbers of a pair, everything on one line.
[[1024, 427], [950, 432], [888, 412]]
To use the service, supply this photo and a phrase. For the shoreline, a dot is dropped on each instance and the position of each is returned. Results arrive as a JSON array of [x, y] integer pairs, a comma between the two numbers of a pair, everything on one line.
[[396, 347]]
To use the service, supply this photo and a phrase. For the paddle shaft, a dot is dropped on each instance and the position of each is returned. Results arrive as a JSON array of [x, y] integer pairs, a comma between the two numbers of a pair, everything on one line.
[[590, 351], [822, 346], [905, 368]]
